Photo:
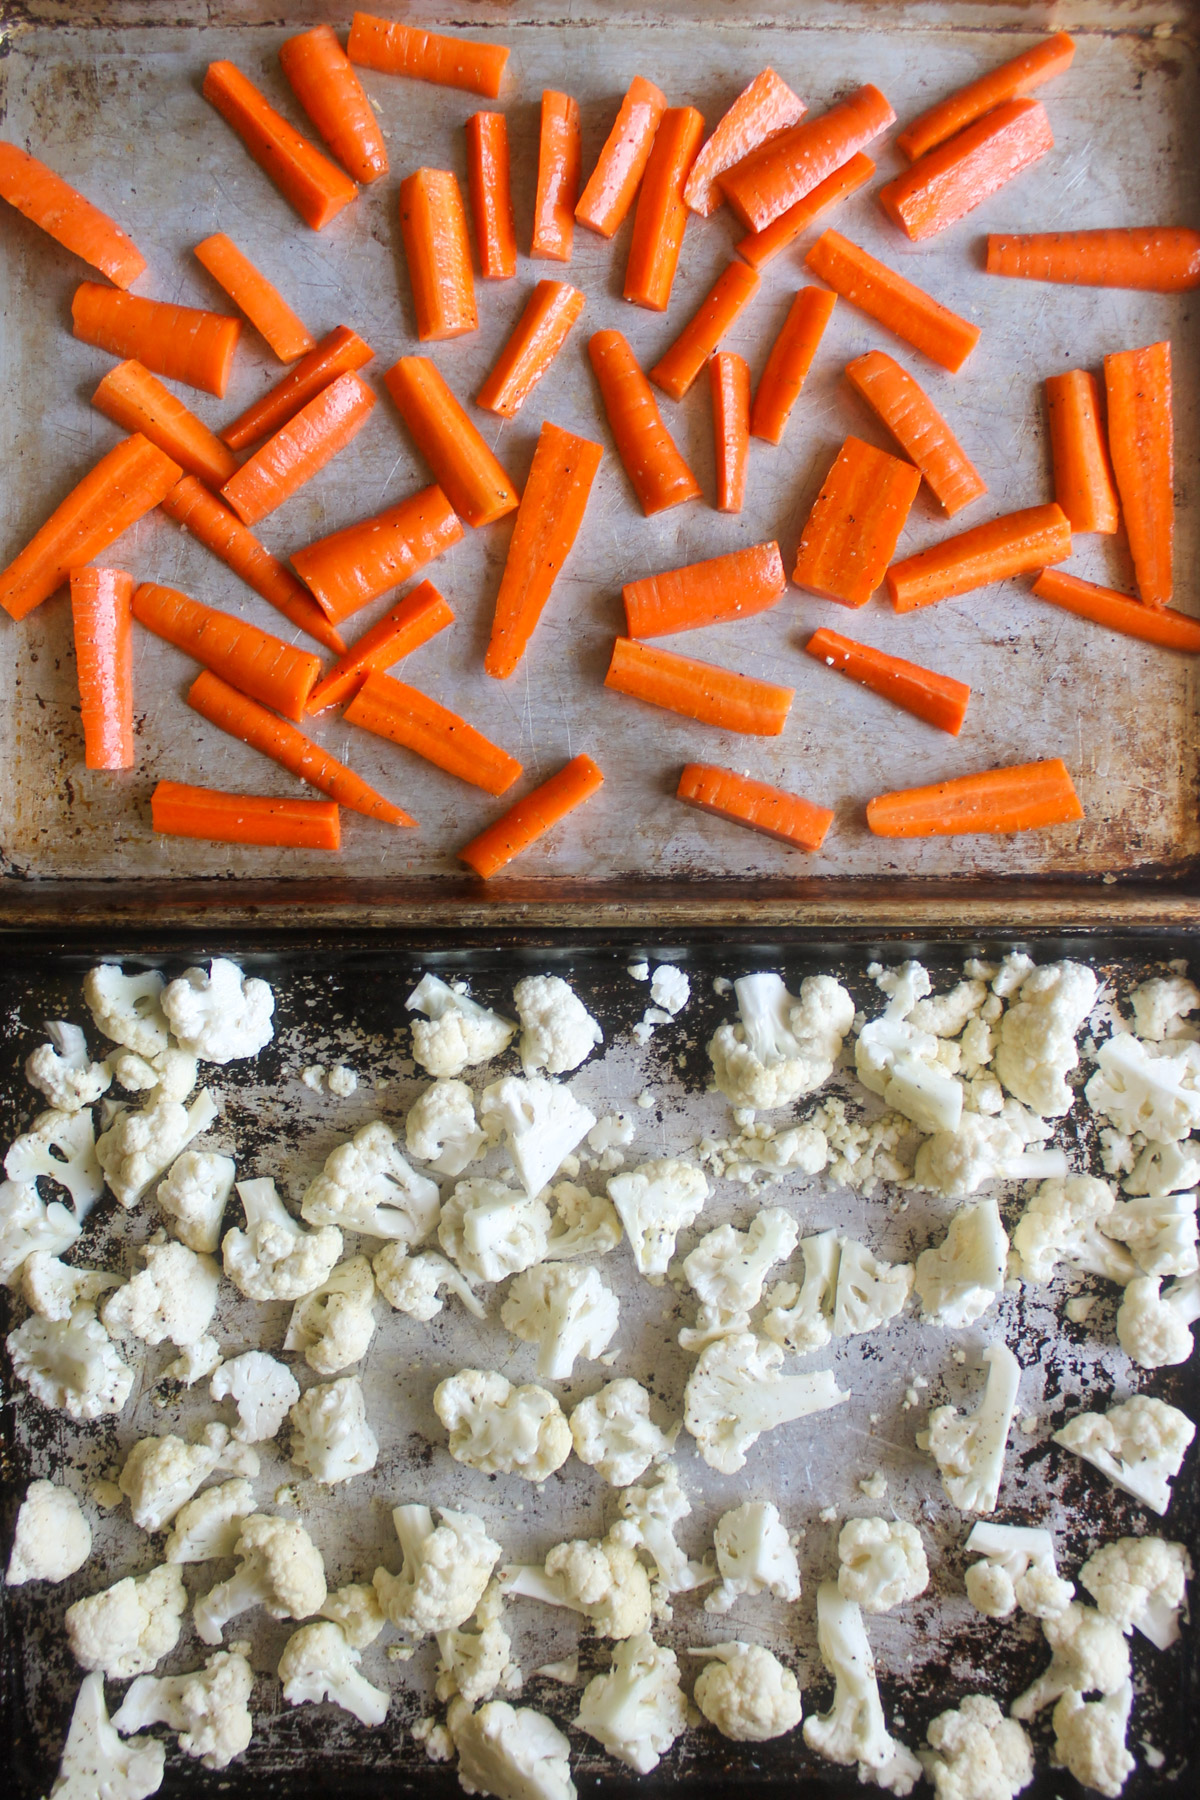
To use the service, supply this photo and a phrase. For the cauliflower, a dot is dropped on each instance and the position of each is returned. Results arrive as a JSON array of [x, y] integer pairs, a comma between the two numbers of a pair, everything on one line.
[[222, 1016], [566, 1310], [95, 1764], [986, 1148], [969, 1447], [583, 1225], [334, 1326], [1089, 1739], [476, 1663], [319, 1664], [976, 1753], [139, 1146], [1155, 1329], [1140, 1582], [62, 1070], [366, 1185], [330, 1434], [54, 1290], [356, 1609], [900, 1062], [755, 1556], [735, 1393], [161, 1473], [1160, 1169], [500, 1428], [727, 1269], [948, 1015], [1159, 1232], [761, 1151], [1161, 1004], [194, 1196], [126, 1008], [783, 1047], [1035, 1040], [1151, 1088], [130, 1626], [1140, 1445], [1017, 1568], [456, 1032], [1089, 1654], [171, 1074], [1064, 1222], [656, 1201], [801, 1317], [275, 1258], [649, 1516], [440, 1128], [869, 1292], [263, 1390], [413, 1284], [747, 1693], [279, 1568], [71, 1364], [557, 1031], [29, 1224], [62, 1147], [52, 1537], [638, 1708], [174, 1296], [512, 1752], [446, 1569], [492, 1230], [208, 1707], [614, 1433], [958, 1280], [540, 1121], [598, 1577], [208, 1526], [882, 1563], [854, 1730]]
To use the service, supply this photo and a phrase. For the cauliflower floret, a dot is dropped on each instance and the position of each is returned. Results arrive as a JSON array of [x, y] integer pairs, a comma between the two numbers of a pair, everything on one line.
[[492, 1230], [511, 1752], [54, 1290], [985, 1148], [500, 1428], [139, 1146], [1161, 1004], [413, 1284], [900, 1062], [1089, 1739], [540, 1121], [366, 1185], [1140, 1445], [334, 1326], [71, 1364], [947, 1015], [1151, 1088], [557, 1030], [969, 1447], [446, 1569], [95, 1764], [29, 1225], [783, 1047], [275, 1258], [161, 1473], [736, 1392], [319, 1664], [1154, 1329], [761, 1151], [441, 1130], [869, 1292], [598, 1577], [1064, 1222], [854, 1729], [194, 1362], [1140, 1582], [957, 1280], [194, 1196], [209, 1526], [356, 1609], [747, 1693], [1017, 1568], [649, 1516], [209, 1708], [614, 1433], [583, 1225], [222, 1016], [566, 1310], [801, 1317], [1158, 1232], [638, 1708], [263, 1390], [60, 1146], [174, 1296], [279, 1568], [52, 1537], [976, 1753], [1035, 1040], [171, 1074], [126, 1007], [476, 1663], [130, 1626], [1090, 1655], [456, 1033], [656, 1201], [727, 1269], [330, 1434], [882, 1563], [755, 1556], [62, 1070]]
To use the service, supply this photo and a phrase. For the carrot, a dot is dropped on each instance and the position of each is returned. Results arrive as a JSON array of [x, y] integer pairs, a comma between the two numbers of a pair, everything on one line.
[[254, 296], [181, 342], [57, 209], [253, 661], [733, 586], [409, 624], [490, 194], [547, 524], [698, 690], [729, 386], [320, 75], [179, 810], [231, 711], [758, 248], [102, 618], [613, 182], [350, 568], [395, 49], [961, 174], [768, 105], [730, 294], [531, 818], [463, 466], [661, 216], [897, 304], [299, 449], [1083, 477], [123, 486], [1141, 443], [560, 156], [919, 429], [744, 801], [340, 352], [536, 340], [851, 533], [1023, 798], [938, 699], [1153, 624], [137, 401], [789, 361], [389, 709], [308, 181], [433, 226], [1162, 259], [658, 472], [1011, 545], [790, 165], [960, 109]]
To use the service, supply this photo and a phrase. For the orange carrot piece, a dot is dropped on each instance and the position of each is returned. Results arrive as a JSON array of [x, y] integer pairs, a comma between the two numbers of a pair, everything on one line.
[[726, 300], [433, 227], [758, 248], [283, 332], [411, 719], [137, 401], [308, 181], [938, 699], [658, 472], [768, 105], [919, 429], [733, 586], [395, 49], [253, 661], [177, 809], [698, 690], [790, 359], [536, 340], [613, 182], [181, 342], [1012, 545], [960, 109], [560, 160], [339, 352], [856, 519], [531, 818], [123, 486], [322, 78], [409, 624], [790, 165], [1026, 797], [743, 801], [1153, 624], [729, 387], [1083, 479], [59, 210], [490, 193], [299, 449], [897, 304], [350, 568], [102, 618], [1141, 443], [961, 174], [1160, 259], [661, 216], [463, 466]]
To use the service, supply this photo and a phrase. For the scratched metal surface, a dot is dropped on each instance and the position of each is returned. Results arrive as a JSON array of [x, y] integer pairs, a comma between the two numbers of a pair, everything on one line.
[[117, 109]]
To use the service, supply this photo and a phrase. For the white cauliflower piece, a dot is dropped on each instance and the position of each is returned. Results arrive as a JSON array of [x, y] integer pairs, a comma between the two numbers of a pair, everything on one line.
[[557, 1030], [1089, 1739], [330, 1434], [63, 1072], [540, 1121], [583, 1224], [95, 1764], [174, 1296], [500, 1428], [127, 1008], [760, 1149], [649, 1516], [130, 1626], [193, 1197], [747, 1693], [160, 1474], [1064, 1222], [976, 1753], [1017, 1567], [274, 1258], [195, 1362], [139, 1146], [1159, 1232], [279, 1568], [223, 1016], [1161, 1004], [334, 1326], [71, 1364], [491, 1230], [564, 1308], [801, 1316], [1035, 1040], [957, 1280], [1151, 1088], [883, 1563], [209, 1526], [1154, 1329], [54, 1290], [413, 1284], [869, 1292], [637, 1709], [736, 1392], [441, 1130], [62, 1147], [511, 1752], [854, 1729], [456, 1032], [208, 1707], [986, 1147], [445, 1571], [263, 1390], [356, 1609], [366, 1185], [171, 1074], [52, 1537], [755, 1555], [613, 1432], [476, 1663], [656, 1201], [899, 1061], [1139, 1444], [28, 1224], [319, 1664], [727, 1270], [969, 1447], [1089, 1655], [598, 1577], [947, 1015], [670, 988], [783, 1047], [1142, 1583]]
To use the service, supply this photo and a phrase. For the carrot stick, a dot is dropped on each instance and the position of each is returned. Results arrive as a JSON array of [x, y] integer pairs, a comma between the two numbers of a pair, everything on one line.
[[179, 810], [768, 105], [395, 49], [661, 216], [729, 386], [743, 801], [137, 401], [102, 617], [938, 699], [1083, 477], [897, 304], [560, 157], [340, 352], [1141, 442], [759, 247], [658, 472], [433, 226], [299, 449], [253, 661], [1023, 798], [613, 182], [123, 486], [389, 709], [181, 342], [531, 818], [1162, 259], [222, 532], [54, 205], [308, 181], [960, 174], [320, 75], [1153, 624], [730, 294], [1012, 545], [231, 711], [409, 624], [254, 296], [536, 340], [960, 109], [698, 690], [790, 165], [919, 429], [851, 533], [732, 586], [463, 466], [789, 361], [490, 194], [350, 568]]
